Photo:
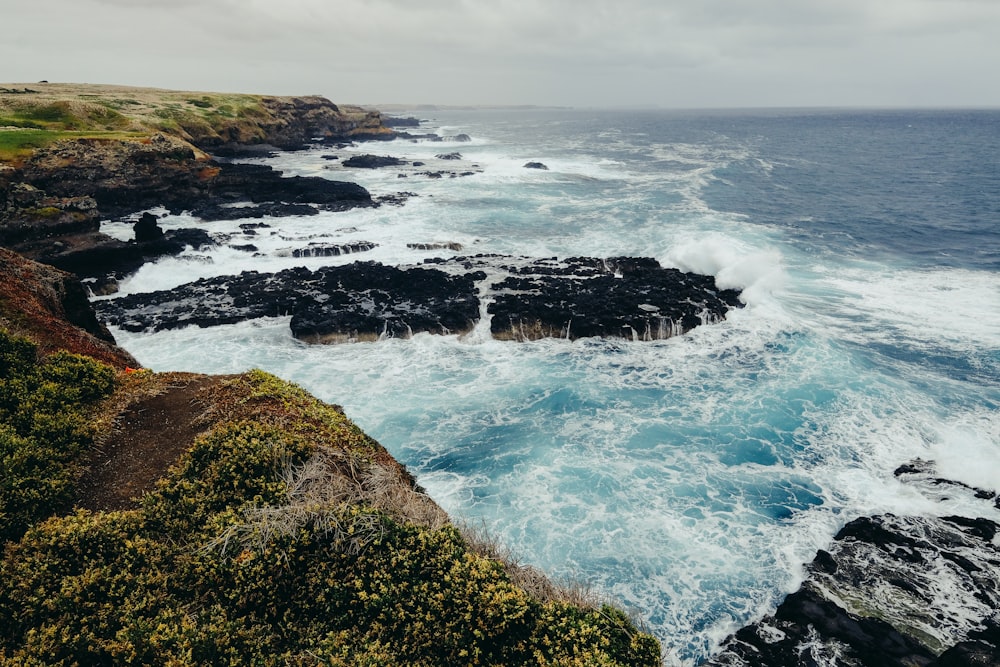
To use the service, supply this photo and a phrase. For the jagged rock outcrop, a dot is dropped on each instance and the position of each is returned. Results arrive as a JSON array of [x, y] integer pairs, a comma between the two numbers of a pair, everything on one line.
[[359, 301], [890, 591], [633, 298]]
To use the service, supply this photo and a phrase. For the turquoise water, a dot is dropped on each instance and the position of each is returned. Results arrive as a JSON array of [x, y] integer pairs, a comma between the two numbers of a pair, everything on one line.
[[688, 479]]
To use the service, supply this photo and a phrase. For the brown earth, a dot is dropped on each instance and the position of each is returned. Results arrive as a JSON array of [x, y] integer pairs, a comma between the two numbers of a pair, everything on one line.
[[146, 440]]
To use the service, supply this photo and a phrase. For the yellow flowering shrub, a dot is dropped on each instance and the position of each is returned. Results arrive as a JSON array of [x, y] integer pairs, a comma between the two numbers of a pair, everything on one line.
[[225, 563], [44, 429]]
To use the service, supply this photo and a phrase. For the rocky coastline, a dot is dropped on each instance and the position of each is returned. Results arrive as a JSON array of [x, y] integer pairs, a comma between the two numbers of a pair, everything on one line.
[[889, 590]]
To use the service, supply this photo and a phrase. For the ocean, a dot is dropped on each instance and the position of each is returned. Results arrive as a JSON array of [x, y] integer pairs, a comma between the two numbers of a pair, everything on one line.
[[688, 479]]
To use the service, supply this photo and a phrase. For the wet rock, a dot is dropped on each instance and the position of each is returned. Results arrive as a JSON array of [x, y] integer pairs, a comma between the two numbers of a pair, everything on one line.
[[435, 246], [370, 301], [368, 161], [217, 212], [449, 156], [334, 250], [359, 301], [261, 184], [146, 229], [536, 165], [633, 298], [890, 591]]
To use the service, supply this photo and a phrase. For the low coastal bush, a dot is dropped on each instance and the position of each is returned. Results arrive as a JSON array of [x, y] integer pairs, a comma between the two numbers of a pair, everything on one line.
[[279, 538], [44, 429]]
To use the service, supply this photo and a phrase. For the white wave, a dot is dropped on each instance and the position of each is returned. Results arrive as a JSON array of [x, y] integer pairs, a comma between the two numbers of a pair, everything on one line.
[[758, 271]]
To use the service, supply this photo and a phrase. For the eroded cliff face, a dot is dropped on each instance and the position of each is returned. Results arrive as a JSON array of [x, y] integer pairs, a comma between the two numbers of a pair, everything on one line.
[[93, 152], [121, 175], [96, 152], [51, 308]]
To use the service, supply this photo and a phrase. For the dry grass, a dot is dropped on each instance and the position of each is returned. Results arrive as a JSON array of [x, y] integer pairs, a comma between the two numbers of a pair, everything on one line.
[[319, 493], [527, 577]]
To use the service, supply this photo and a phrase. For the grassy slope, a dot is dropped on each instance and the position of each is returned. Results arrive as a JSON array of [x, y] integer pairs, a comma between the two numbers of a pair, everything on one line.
[[50, 112]]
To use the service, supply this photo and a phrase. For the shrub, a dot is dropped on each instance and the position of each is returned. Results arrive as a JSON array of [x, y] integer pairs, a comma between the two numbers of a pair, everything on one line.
[[44, 430], [239, 558]]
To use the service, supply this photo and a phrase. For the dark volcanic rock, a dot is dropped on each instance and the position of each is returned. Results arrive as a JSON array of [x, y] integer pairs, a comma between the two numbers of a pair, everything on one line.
[[449, 156], [360, 301], [367, 161], [368, 301], [536, 165], [333, 250], [146, 229], [260, 183], [217, 212], [893, 591], [632, 298]]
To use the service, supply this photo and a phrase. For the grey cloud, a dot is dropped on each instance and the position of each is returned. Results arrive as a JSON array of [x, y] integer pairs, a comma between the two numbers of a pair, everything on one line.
[[674, 52]]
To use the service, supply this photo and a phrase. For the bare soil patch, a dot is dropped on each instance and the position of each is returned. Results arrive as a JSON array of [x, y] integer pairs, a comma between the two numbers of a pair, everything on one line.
[[147, 439]]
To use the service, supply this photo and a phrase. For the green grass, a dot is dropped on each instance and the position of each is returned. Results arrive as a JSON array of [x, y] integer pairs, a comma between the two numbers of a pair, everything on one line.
[[20, 143]]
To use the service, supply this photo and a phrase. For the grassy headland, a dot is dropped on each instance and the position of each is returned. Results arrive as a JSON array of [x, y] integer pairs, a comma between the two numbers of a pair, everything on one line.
[[35, 115]]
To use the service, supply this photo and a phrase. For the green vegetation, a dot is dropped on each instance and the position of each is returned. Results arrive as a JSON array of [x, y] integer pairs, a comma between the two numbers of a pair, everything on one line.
[[44, 429], [63, 116], [284, 536], [19, 143]]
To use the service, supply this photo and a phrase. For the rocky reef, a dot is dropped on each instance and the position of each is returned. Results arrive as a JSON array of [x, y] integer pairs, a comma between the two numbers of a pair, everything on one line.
[[633, 298]]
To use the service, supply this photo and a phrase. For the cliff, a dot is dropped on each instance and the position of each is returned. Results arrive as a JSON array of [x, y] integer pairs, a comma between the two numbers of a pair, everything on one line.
[[71, 155], [191, 519]]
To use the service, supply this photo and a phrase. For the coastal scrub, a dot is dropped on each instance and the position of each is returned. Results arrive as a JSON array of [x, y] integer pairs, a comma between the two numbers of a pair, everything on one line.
[[284, 535]]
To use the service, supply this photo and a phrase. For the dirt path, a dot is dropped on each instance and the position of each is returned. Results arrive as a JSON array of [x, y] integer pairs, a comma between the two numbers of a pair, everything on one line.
[[148, 438]]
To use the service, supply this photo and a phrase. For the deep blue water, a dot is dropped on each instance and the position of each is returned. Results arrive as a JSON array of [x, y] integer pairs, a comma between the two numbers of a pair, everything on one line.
[[687, 479]]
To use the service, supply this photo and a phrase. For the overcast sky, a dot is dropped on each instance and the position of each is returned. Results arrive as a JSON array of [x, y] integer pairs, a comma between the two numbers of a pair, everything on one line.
[[603, 53]]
